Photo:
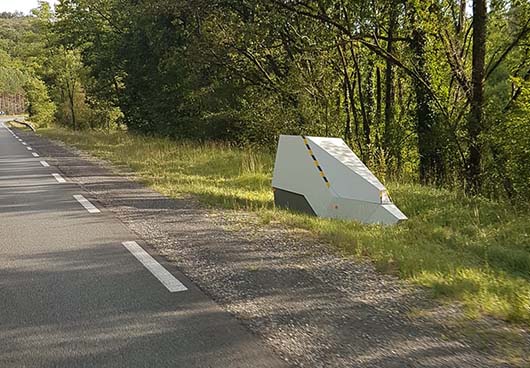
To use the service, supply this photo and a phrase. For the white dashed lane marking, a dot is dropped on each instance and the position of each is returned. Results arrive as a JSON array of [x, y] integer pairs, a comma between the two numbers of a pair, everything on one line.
[[45, 164], [86, 203], [59, 178], [35, 154], [163, 275], [29, 148]]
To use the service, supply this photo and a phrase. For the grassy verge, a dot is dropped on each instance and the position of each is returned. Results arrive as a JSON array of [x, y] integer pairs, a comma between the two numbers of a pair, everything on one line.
[[472, 250]]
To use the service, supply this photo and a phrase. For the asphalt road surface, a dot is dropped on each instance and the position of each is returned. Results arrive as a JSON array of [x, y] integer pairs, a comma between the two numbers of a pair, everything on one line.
[[78, 289]]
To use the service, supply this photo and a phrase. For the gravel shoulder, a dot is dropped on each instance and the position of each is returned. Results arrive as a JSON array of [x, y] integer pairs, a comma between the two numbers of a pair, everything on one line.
[[312, 306]]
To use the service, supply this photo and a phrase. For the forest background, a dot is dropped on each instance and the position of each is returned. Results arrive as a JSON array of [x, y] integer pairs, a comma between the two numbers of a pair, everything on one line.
[[431, 91]]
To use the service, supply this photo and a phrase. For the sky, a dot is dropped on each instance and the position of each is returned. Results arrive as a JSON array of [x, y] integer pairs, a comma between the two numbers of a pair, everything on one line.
[[21, 5]]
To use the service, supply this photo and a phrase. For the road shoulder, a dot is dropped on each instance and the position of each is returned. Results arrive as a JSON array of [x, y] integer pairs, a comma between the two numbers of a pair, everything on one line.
[[310, 305]]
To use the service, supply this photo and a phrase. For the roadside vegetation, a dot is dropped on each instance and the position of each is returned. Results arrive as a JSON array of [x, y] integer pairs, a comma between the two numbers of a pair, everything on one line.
[[437, 91], [468, 249], [434, 96]]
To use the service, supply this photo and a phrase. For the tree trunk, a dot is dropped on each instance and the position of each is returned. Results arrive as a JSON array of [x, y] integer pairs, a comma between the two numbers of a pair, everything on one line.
[[71, 102], [348, 95], [378, 97], [389, 92], [369, 111], [72, 111], [461, 16], [347, 127], [364, 143], [476, 116]]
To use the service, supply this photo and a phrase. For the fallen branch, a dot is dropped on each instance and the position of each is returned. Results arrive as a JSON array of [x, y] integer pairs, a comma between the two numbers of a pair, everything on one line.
[[23, 122]]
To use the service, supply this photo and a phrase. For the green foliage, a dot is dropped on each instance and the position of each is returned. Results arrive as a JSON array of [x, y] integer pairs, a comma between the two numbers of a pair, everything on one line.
[[392, 78], [470, 249], [11, 80], [511, 135], [53, 78], [40, 107]]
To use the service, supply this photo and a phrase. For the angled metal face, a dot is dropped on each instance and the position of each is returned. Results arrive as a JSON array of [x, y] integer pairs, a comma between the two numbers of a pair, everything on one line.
[[295, 171], [348, 176], [292, 201]]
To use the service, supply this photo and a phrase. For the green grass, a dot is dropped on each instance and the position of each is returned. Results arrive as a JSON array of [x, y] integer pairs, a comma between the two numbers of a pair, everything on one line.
[[474, 251]]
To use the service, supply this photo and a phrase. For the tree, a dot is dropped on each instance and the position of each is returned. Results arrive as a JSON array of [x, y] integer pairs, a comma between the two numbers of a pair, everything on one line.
[[40, 107], [414, 87], [475, 122]]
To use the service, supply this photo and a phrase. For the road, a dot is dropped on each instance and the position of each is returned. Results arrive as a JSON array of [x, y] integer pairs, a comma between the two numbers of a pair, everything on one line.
[[79, 289]]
